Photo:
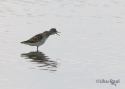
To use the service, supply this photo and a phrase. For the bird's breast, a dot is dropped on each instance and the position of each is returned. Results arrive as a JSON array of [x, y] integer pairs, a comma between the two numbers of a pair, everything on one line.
[[43, 40]]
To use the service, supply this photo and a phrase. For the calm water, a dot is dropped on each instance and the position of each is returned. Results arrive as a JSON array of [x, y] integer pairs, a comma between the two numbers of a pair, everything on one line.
[[91, 44]]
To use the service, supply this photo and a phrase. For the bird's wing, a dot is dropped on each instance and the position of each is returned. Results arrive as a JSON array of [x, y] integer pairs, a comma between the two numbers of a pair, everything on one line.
[[34, 39]]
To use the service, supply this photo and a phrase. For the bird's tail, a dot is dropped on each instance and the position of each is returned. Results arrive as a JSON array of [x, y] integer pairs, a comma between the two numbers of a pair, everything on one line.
[[23, 42]]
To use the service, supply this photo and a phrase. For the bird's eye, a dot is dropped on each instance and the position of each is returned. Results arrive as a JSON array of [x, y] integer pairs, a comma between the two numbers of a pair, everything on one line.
[[54, 30]]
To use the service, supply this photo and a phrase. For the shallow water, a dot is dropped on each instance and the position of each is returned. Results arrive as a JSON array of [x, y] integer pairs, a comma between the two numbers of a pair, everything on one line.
[[90, 46]]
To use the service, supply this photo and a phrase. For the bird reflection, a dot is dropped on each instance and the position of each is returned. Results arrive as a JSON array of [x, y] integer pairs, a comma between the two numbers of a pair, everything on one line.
[[41, 58]]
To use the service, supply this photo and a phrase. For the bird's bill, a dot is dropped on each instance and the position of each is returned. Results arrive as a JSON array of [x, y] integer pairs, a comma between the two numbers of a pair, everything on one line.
[[57, 33]]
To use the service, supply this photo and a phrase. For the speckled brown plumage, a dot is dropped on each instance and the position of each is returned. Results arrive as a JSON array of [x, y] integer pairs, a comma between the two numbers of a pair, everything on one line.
[[37, 37], [41, 38]]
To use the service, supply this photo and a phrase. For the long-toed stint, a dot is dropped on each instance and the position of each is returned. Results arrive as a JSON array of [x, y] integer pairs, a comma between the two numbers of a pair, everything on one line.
[[40, 39]]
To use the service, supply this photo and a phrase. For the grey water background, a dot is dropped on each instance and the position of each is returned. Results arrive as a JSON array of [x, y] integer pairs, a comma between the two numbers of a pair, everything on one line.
[[91, 44]]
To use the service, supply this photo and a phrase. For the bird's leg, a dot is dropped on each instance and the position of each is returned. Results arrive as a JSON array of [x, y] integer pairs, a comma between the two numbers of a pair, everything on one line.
[[37, 48]]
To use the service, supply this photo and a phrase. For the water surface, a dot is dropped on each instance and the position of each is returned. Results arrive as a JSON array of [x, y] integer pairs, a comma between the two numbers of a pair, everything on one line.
[[90, 46]]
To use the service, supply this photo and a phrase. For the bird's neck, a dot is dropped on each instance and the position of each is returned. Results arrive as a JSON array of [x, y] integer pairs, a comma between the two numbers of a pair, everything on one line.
[[49, 33]]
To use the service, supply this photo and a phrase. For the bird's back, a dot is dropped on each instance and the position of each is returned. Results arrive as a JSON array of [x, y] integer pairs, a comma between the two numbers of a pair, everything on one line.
[[37, 37]]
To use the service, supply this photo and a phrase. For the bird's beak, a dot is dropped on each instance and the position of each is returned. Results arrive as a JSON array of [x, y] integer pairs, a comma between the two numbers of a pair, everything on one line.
[[57, 33]]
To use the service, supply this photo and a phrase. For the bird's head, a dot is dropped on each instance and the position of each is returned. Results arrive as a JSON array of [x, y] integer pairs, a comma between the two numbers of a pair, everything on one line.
[[53, 31]]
